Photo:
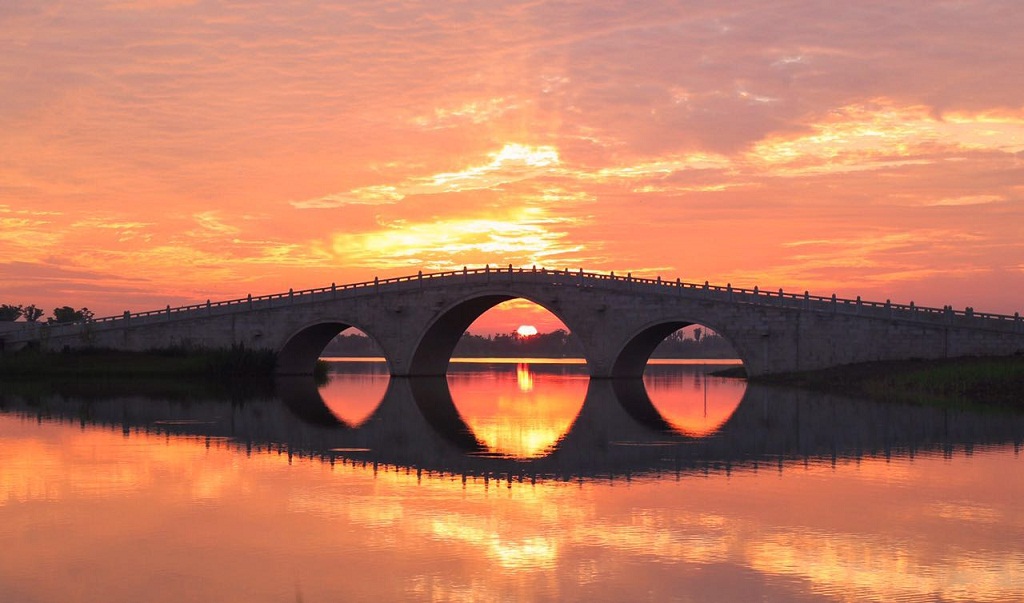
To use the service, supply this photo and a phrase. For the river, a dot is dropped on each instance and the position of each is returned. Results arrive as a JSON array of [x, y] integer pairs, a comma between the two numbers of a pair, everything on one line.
[[507, 481]]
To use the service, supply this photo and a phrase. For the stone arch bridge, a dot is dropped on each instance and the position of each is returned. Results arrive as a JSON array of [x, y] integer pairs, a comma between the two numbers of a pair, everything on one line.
[[417, 320]]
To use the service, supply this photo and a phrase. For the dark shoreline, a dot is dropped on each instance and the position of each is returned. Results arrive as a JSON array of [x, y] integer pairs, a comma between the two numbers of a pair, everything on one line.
[[968, 382], [90, 364], [996, 382]]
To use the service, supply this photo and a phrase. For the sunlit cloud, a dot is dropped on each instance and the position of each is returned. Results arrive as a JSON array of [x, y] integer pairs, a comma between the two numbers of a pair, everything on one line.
[[966, 200], [525, 238], [475, 112], [514, 162], [370, 195], [210, 223], [882, 134], [658, 168]]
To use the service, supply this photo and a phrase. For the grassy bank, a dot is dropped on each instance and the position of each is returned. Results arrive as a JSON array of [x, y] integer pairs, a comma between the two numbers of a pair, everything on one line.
[[958, 382]]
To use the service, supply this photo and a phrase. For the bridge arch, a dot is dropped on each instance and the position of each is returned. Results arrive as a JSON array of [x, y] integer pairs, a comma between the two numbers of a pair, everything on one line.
[[433, 350], [300, 350], [632, 357]]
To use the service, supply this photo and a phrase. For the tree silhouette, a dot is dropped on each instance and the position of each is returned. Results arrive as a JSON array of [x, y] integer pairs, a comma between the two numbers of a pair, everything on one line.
[[67, 314], [31, 313], [10, 313]]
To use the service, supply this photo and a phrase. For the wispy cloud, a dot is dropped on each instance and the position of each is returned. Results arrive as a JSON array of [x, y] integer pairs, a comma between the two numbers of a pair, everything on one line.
[[145, 135]]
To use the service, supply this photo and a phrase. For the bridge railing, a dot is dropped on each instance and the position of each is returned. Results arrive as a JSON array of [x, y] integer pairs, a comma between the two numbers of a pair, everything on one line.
[[566, 277]]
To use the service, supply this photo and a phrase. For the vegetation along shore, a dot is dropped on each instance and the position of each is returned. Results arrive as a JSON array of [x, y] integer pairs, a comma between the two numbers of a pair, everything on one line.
[[973, 381], [957, 382]]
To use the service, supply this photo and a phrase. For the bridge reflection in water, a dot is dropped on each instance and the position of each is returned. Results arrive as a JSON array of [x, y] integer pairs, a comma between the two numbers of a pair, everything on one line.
[[617, 431]]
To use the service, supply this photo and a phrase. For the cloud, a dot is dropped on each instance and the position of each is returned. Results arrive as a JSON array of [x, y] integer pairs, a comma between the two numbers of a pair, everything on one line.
[[369, 195], [140, 134], [514, 162], [529, 237], [210, 224], [966, 200]]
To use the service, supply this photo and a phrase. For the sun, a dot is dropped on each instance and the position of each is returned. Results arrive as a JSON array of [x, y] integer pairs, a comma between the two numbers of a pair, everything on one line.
[[526, 330]]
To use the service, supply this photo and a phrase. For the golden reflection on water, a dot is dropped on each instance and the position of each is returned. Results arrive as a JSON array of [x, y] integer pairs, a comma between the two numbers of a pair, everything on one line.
[[92, 515], [524, 377], [512, 414], [696, 405]]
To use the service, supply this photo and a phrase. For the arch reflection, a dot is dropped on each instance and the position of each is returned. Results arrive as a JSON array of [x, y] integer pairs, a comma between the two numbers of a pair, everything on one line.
[[617, 431], [518, 410], [690, 399], [354, 389]]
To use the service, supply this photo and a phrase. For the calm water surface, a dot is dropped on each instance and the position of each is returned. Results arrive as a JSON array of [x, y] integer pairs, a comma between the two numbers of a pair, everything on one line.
[[506, 482]]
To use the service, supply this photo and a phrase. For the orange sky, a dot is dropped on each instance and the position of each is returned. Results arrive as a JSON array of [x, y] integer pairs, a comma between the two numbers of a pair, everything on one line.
[[161, 152]]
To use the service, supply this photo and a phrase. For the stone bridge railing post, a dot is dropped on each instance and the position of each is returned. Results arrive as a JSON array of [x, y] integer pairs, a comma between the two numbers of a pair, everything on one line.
[[807, 300]]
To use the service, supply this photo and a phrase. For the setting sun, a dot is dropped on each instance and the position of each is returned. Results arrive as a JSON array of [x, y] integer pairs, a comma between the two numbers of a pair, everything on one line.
[[526, 331]]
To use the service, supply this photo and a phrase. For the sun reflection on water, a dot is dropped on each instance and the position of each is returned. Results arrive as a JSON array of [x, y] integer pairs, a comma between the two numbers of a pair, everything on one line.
[[519, 414], [524, 377]]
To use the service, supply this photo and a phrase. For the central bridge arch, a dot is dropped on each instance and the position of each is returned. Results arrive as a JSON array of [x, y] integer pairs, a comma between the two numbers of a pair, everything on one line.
[[434, 349]]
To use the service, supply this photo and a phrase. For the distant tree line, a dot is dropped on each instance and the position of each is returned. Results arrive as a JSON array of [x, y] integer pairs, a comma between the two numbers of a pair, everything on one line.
[[556, 344], [704, 343], [352, 346], [11, 313]]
